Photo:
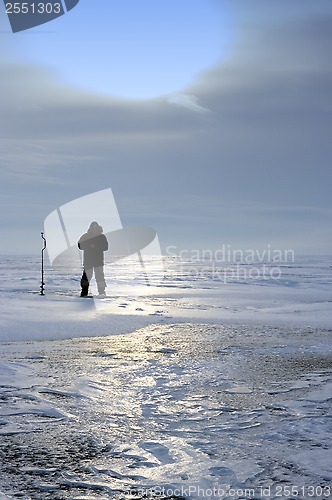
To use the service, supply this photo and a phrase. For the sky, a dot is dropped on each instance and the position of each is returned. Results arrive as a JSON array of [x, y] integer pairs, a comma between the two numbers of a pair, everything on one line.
[[210, 120]]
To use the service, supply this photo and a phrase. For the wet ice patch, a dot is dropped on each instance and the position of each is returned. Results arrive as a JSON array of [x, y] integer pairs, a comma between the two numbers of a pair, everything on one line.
[[316, 462], [239, 389], [236, 472], [158, 450], [14, 375], [321, 394]]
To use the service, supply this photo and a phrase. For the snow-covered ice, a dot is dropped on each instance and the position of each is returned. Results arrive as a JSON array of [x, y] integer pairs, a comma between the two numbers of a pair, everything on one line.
[[198, 388]]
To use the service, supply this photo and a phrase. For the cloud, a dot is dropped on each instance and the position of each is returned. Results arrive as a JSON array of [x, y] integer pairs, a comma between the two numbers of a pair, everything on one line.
[[190, 102], [34, 106], [254, 130]]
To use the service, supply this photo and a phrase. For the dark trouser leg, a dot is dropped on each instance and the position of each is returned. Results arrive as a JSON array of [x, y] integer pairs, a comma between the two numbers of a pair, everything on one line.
[[85, 281], [100, 279]]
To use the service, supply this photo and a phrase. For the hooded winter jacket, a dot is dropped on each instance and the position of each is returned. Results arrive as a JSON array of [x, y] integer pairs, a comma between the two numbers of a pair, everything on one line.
[[93, 243]]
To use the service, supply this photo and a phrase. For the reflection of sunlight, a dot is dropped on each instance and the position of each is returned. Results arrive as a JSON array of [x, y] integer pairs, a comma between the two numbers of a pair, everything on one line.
[[144, 382], [131, 271], [166, 406]]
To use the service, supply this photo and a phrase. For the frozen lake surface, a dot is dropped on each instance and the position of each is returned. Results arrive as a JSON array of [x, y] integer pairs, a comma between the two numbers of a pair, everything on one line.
[[192, 291], [199, 388]]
